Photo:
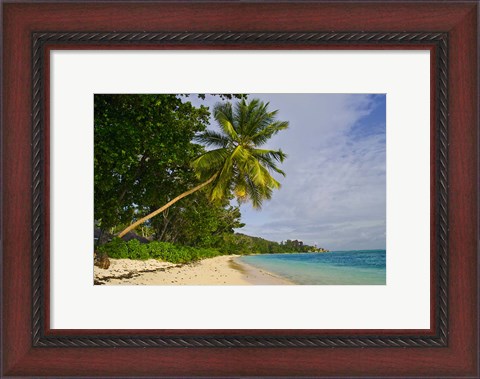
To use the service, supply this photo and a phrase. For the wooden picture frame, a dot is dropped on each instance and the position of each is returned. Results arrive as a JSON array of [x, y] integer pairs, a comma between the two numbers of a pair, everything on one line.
[[448, 348]]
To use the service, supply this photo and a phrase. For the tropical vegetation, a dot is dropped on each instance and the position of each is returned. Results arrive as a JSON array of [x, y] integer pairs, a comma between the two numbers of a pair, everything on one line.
[[161, 172], [234, 243], [237, 164]]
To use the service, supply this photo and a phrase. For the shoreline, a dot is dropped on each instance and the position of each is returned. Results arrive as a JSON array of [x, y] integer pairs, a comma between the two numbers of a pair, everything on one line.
[[255, 275], [221, 270]]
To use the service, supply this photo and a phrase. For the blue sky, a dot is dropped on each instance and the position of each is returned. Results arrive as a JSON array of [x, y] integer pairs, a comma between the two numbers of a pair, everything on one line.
[[334, 192]]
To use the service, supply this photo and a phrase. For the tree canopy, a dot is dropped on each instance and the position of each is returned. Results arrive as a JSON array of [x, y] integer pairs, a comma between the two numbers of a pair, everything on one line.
[[238, 162], [143, 150], [151, 148]]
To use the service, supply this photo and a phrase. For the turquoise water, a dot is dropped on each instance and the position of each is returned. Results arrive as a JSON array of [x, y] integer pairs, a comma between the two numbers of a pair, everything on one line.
[[336, 267]]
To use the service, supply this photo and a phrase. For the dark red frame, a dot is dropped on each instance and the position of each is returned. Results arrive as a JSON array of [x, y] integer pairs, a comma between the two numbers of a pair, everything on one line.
[[458, 359]]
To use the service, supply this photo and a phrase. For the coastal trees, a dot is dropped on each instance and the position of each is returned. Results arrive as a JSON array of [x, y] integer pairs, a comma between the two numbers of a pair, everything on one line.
[[197, 222], [143, 149], [237, 164], [142, 152]]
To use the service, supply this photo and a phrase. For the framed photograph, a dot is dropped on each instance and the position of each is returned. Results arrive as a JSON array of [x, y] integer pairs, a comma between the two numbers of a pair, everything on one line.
[[240, 189]]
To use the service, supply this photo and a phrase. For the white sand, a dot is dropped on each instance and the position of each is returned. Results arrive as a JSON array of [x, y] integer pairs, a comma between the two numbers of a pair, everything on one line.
[[120, 268], [223, 270]]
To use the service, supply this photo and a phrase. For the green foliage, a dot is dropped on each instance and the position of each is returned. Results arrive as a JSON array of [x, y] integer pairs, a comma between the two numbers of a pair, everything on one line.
[[142, 152], [242, 244], [226, 244], [196, 222], [117, 248], [144, 149], [164, 251], [241, 167]]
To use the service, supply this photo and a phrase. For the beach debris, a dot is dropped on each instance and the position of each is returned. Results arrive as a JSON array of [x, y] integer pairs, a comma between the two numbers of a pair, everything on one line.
[[101, 260]]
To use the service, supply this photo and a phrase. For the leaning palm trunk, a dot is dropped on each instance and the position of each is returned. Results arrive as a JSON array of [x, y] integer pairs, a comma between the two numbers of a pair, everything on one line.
[[171, 202]]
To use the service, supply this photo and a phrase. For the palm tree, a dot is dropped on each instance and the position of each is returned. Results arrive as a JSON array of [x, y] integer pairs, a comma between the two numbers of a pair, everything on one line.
[[237, 164]]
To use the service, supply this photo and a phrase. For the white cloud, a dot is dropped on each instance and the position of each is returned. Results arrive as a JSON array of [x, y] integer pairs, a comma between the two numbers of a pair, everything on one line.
[[334, 192]]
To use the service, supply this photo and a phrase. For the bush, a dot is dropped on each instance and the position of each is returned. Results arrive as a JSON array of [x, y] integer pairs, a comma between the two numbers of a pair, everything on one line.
[[117, 248], [164, 251], [136, 250]]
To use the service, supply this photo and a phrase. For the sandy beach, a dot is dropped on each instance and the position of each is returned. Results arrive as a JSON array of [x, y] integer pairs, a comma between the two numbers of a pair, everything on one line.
[[223, 270]]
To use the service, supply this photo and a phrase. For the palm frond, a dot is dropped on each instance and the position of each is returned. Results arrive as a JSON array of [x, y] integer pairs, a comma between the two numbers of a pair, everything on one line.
[[277, 155], [240, 115], [262, 136], [271, 166], [211, 138], [240, 165], [254, 193], [223, 182], [259, 174], [268, 158], [209, 162], [223, 114], [240, 188], [259, 119], [257, 194]]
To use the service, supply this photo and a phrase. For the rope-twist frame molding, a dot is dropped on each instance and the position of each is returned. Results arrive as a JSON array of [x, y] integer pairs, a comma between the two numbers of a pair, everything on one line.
[[209, 39]]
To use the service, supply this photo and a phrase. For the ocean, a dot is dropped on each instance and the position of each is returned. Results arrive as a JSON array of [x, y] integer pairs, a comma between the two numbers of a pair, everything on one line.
[[333, 268]]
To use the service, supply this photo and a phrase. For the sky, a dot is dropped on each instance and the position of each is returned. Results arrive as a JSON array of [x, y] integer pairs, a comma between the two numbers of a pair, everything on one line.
[[334, 192]]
